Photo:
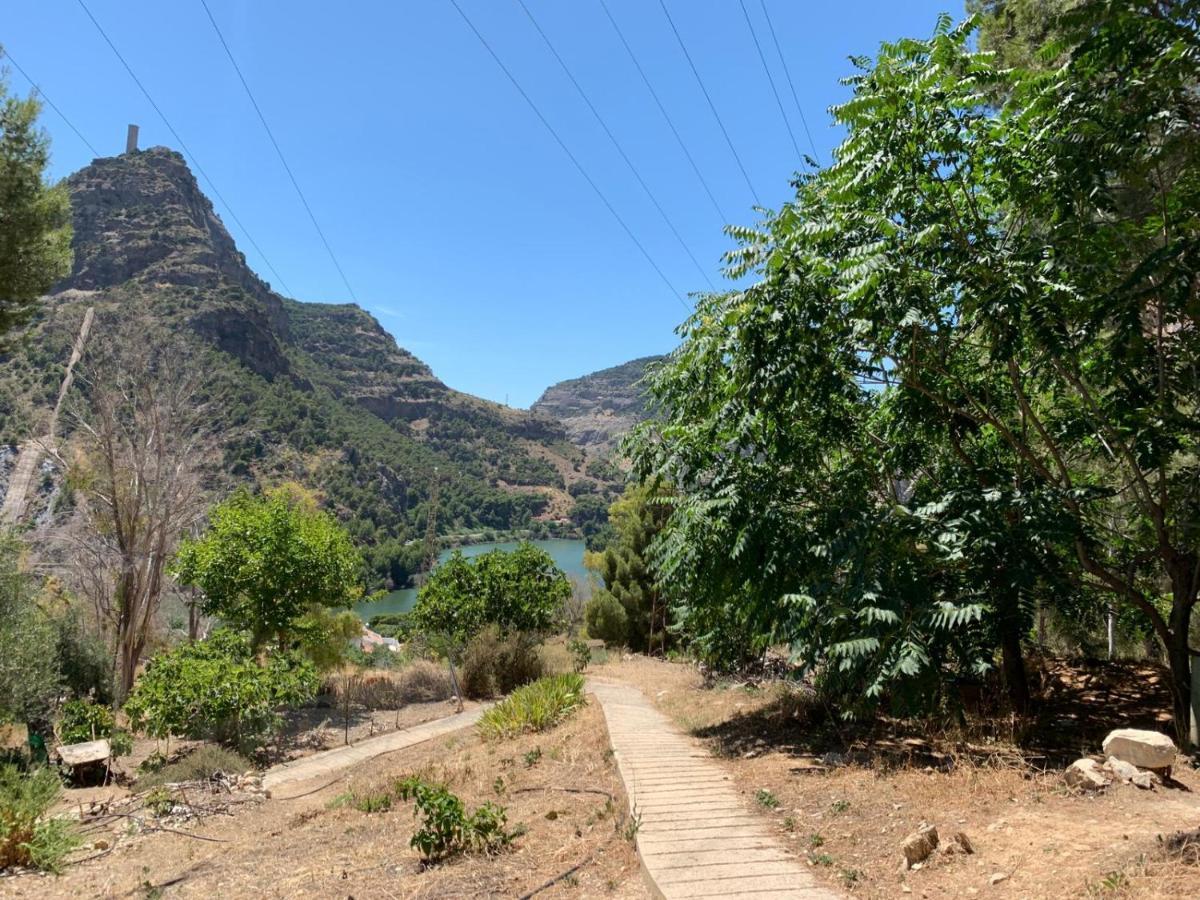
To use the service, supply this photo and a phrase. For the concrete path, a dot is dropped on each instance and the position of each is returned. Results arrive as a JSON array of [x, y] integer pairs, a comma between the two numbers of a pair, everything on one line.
[[696, 836], [329, 763]]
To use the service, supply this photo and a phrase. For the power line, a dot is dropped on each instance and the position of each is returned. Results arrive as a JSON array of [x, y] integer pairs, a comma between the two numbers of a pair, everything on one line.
[[770, 78], [791, 85], [49, 102], [182, 145], [278, 151], [662, 109], [582, 171], [621, 150], [712, 106]]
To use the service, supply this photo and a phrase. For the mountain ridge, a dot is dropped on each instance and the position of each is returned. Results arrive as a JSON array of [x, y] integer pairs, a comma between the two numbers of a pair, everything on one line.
[[319, 393], [599, 408]]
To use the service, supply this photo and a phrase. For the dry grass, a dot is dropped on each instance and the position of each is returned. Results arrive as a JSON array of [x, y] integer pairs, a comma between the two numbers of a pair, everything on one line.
[[568, 797], [848, 811], [421, 681]]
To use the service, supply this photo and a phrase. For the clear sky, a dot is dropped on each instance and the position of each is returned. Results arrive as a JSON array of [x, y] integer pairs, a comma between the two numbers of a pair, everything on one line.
[[459, 221]]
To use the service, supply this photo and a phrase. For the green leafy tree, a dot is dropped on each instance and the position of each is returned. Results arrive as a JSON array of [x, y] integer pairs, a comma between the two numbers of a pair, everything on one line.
[[606, 619], [516, 594], [266, 562], [517, 591], [30, 674], [626, 570], [35, 217], [973, 348]]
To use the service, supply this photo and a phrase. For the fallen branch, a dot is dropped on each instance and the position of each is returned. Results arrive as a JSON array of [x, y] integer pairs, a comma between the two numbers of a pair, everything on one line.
[[557, 878]]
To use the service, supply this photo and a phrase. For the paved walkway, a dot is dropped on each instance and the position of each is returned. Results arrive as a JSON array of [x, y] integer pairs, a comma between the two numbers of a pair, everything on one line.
[[332, 762], [696, 837]]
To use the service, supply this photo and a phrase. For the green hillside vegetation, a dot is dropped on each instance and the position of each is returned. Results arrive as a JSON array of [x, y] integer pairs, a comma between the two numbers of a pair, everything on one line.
[[317, 394]]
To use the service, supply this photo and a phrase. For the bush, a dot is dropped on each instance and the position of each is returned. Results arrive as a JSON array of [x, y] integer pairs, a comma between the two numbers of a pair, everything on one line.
[[447, 828], [216, 688], [83, 720], [419, 682], [26, 837], [534, 707], [495, 664], [581, 654], [606, 618], [199, 765]]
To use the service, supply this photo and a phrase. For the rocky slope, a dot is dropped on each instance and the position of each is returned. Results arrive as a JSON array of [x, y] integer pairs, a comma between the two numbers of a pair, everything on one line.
[[600, 408], [317, 393]]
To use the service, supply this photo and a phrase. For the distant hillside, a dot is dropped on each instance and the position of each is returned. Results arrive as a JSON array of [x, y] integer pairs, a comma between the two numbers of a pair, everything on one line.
[[316, 393], [598, 409]]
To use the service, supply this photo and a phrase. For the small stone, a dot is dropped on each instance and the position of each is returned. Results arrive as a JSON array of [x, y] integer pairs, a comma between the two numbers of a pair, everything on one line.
[[998, 877], [1144, 749], [959, 843], [1144, 780], [101, 844], [918, 845], [1122, 771], [1086, 775]]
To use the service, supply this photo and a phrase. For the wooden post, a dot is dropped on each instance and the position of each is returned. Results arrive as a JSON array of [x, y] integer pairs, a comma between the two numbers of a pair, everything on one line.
[[131, 139]]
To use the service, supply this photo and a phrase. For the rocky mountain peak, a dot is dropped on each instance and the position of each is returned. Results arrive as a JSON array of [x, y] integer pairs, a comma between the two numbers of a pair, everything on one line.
[[142, 216]]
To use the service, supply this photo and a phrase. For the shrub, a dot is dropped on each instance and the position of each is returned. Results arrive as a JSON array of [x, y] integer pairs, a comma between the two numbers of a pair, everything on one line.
[[216, 688], [83, 720], [606, 618], [534, 707], [420, 682], [447, 828], [27, 838], [199, 765], [581, 654], [495, 664]]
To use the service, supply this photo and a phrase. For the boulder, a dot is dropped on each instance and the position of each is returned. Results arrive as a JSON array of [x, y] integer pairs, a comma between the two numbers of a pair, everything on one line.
[[1145, 749], [1086, 775], [918, 845]]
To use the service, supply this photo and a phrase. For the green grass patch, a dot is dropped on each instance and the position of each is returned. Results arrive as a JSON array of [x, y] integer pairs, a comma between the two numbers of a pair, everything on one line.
[[534, 707], [27, 836]]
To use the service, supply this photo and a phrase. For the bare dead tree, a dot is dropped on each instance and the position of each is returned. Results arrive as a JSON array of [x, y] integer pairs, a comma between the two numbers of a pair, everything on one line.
[[143, 437]]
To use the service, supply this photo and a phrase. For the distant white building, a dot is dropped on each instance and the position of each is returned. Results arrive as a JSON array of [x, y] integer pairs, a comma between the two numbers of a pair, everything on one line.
[[370, 640]]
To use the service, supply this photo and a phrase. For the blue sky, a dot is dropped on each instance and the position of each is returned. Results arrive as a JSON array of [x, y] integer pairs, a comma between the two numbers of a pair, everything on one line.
[[458, 220]]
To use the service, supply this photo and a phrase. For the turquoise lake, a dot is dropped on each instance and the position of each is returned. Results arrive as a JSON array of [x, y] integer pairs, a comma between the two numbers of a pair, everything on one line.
[[567, 555]]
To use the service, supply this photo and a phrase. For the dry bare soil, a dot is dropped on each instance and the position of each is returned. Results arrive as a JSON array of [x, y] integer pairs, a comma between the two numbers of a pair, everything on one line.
[[560, 787], [846, 804]]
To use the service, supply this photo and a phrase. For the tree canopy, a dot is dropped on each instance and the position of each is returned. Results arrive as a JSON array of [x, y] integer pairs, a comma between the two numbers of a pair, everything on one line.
[[265, 561], [517, 591], [966, 381], [35, 217]]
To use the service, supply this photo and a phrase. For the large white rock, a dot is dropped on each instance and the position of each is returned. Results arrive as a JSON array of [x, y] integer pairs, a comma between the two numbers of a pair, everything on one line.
[[1147, 749], [1086, 775]]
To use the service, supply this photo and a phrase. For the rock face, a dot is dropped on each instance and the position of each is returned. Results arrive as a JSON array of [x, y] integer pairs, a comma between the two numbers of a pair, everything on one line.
[[1086, 775], [1146, 749], [318, 393], [599, 409]]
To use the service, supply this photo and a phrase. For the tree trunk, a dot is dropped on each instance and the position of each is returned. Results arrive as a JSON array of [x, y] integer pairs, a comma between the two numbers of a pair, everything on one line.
[[1179, 656], [1012, 662]]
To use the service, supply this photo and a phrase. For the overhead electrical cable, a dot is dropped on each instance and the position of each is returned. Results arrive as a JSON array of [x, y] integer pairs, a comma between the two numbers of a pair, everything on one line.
[[791, 84], [770, 78], [182, 146], [712, 106], [567, 150], [666, 116], [278, 151], [617, 144], [49, 102]]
